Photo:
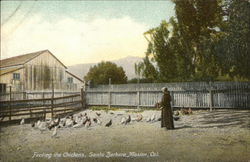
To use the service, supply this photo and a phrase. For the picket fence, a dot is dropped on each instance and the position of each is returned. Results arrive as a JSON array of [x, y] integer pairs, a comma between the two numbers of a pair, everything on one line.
[[187, 94]]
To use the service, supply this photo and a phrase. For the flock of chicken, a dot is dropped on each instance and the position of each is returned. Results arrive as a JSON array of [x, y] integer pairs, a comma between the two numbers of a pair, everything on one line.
[[84, 120]]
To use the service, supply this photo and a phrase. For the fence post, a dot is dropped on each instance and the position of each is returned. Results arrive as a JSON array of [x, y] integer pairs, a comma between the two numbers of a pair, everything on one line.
[[43, 99], [83, 98], [138, 99], [24, 95], [30, 110], [210, 96], [109, 100], [10, 104], [52, 101], [172, 100]]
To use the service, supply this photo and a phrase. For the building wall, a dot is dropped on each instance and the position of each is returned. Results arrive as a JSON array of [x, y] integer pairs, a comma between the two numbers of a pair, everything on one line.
[[42, 71], [76, 84], [17, 85]]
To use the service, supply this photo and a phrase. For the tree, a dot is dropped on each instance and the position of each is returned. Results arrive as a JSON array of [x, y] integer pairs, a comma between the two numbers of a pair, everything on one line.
[[234, 49], [147, 70], [100, 74], [199, 24], [181, 48], [205, 41]]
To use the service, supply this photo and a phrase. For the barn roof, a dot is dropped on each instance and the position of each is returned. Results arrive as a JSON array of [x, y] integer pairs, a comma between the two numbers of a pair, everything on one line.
[[22, 59], [9, 70], [75, 76]]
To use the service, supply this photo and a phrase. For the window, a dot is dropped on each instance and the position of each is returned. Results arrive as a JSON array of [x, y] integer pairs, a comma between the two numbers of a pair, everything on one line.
[[2, 88], [16, 76], [70, 80]]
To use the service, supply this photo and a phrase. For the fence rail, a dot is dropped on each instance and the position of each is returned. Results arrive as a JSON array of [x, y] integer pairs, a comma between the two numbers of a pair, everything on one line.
[[30, 108], [33, 95], [189, 94]]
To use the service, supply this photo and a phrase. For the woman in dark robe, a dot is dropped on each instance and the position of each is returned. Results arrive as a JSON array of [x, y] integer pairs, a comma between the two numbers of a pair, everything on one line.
[[166, 111]]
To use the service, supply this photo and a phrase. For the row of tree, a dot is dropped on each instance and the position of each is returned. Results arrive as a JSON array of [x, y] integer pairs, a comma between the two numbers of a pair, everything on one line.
[[205, 41], [104, 71]]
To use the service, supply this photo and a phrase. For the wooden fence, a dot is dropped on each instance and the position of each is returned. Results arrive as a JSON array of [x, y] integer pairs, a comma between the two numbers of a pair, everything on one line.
[[39, 108], [188, 94], [10, 95]]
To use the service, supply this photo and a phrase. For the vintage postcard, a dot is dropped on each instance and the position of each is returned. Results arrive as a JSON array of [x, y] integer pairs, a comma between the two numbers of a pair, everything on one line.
[[129, 80]]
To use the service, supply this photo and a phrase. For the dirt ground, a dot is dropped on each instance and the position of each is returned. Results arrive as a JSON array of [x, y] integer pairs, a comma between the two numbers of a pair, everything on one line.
[[221, 135]]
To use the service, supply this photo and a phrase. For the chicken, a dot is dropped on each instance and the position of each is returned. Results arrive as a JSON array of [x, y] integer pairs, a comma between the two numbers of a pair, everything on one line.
[[190, 111], [68, 123], [99, 122], [78, 125], [149, 119], [88, 123], [184, 111], [33, 124], [139, 117], [95, 120], [54, 134], [176, 118], [128, 120], [109, 123], [177, 113], [152, 117], [42, 126], [22, 121], [85, 119], [54, 124], [123, 120]]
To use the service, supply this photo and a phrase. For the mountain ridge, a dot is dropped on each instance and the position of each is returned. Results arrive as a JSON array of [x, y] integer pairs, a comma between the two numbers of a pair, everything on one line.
[[127, 63]]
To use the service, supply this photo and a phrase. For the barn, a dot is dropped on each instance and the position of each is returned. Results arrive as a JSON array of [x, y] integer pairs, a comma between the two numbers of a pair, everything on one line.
[[37, 71]]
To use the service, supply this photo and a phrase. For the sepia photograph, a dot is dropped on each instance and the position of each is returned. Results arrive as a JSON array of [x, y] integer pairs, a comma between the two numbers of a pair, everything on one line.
[[125, 81]]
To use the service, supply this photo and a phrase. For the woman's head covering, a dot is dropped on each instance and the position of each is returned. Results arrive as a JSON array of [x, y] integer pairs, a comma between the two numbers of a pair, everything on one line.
[[164, 89]]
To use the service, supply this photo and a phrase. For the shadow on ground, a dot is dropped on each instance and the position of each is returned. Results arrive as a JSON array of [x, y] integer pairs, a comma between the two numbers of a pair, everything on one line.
[[225, 118]]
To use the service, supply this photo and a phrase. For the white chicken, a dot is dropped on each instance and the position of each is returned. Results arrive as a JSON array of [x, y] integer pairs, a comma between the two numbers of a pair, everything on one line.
[[22, 121], [42, 126], [79, 124], [123, 120], [54, 134], [152, 117], [69, 123], [149, 119]]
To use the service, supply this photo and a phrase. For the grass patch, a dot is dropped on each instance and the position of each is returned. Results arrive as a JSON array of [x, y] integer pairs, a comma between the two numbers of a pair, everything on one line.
[[105, 108], [127, 109]]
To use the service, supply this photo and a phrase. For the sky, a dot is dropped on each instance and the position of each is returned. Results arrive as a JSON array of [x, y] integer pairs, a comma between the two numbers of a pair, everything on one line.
[[80, 31]]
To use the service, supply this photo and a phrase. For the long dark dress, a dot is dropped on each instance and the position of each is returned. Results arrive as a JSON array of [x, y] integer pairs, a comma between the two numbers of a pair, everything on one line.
[[166, 112]]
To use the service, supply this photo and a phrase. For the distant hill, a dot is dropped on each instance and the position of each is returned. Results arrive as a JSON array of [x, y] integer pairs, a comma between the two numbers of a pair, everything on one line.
[[126, 63]]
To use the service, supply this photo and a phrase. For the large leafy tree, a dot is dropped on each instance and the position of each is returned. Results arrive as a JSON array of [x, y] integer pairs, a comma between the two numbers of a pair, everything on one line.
[[205, 40], [234, 48], [146, 70], [181, 48], [199, 23], [100, 74]]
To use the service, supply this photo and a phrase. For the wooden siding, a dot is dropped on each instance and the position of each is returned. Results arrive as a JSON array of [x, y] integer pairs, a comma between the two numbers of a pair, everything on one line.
[[42, 71], [16, 84]]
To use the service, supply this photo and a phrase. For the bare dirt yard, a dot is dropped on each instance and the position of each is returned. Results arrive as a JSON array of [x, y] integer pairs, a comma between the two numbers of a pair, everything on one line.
[[221, 135]]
